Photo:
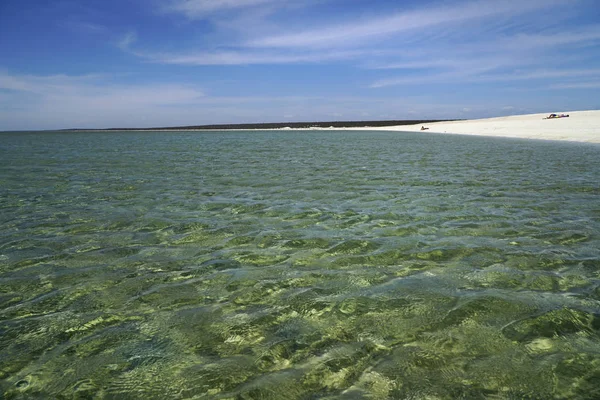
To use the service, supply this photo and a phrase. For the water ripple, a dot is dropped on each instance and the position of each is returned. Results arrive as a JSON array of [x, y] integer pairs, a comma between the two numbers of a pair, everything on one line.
[[274, 265]]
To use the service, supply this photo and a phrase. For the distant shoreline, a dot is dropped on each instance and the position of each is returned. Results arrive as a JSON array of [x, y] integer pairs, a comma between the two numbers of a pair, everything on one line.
[[581, 126], [268, 125]]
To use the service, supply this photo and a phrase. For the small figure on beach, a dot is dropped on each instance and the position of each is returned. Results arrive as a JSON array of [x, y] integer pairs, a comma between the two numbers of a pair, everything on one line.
[[552, 116], [423, 128]]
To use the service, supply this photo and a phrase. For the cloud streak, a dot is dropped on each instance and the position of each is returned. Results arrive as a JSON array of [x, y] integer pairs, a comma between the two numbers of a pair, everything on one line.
[[471, 42], [126, 41], [476, 76], [91, 97], [579, 85], [194, 9], [517, 57], [379, 40], [245, 57], [349, 33]]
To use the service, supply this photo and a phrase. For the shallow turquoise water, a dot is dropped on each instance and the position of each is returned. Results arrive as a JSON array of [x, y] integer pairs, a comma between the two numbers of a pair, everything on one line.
[[304, 265]]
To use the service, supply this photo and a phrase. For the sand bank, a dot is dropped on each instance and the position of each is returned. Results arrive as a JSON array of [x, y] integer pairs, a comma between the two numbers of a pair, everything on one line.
[[581, 126]]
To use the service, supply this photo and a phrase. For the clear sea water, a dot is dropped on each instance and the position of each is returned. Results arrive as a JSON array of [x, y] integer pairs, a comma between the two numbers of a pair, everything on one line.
[[298, 265]]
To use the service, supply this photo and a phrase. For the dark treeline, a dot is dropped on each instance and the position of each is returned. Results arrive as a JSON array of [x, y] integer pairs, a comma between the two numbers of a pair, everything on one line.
[[279, 125]]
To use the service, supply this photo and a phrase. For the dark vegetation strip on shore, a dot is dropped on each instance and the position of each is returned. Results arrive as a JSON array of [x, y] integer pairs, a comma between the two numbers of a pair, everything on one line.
[[277, 125]]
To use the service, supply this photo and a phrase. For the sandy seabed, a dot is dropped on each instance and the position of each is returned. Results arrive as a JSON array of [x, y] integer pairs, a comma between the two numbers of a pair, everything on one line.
[[581, 126]]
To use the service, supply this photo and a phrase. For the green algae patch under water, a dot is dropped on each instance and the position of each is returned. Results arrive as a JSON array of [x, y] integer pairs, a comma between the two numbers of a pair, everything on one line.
[[304, 265]]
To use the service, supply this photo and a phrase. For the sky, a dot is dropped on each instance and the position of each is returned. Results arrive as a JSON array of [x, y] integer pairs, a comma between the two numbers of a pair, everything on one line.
[[154, 63]]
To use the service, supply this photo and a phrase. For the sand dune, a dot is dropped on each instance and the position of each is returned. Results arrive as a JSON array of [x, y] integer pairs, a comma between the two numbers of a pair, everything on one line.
[[581, 126]]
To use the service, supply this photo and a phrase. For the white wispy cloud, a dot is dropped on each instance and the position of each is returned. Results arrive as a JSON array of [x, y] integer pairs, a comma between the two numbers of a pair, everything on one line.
[[351, 32], [470, 41], [44, 84], [201, 8], [476, 76], [516, 57], [80, 27], [578, 85], [126, 41], [91, 99], [545, 74], [358, 39], [588, 35], [245, 57], [420, 64]]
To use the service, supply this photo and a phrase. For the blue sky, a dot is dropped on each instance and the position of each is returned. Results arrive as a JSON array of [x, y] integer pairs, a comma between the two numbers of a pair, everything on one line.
[[143, 63]]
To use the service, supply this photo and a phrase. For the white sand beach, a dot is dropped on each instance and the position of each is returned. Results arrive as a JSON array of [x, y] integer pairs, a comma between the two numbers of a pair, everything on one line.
[[581, 126]]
